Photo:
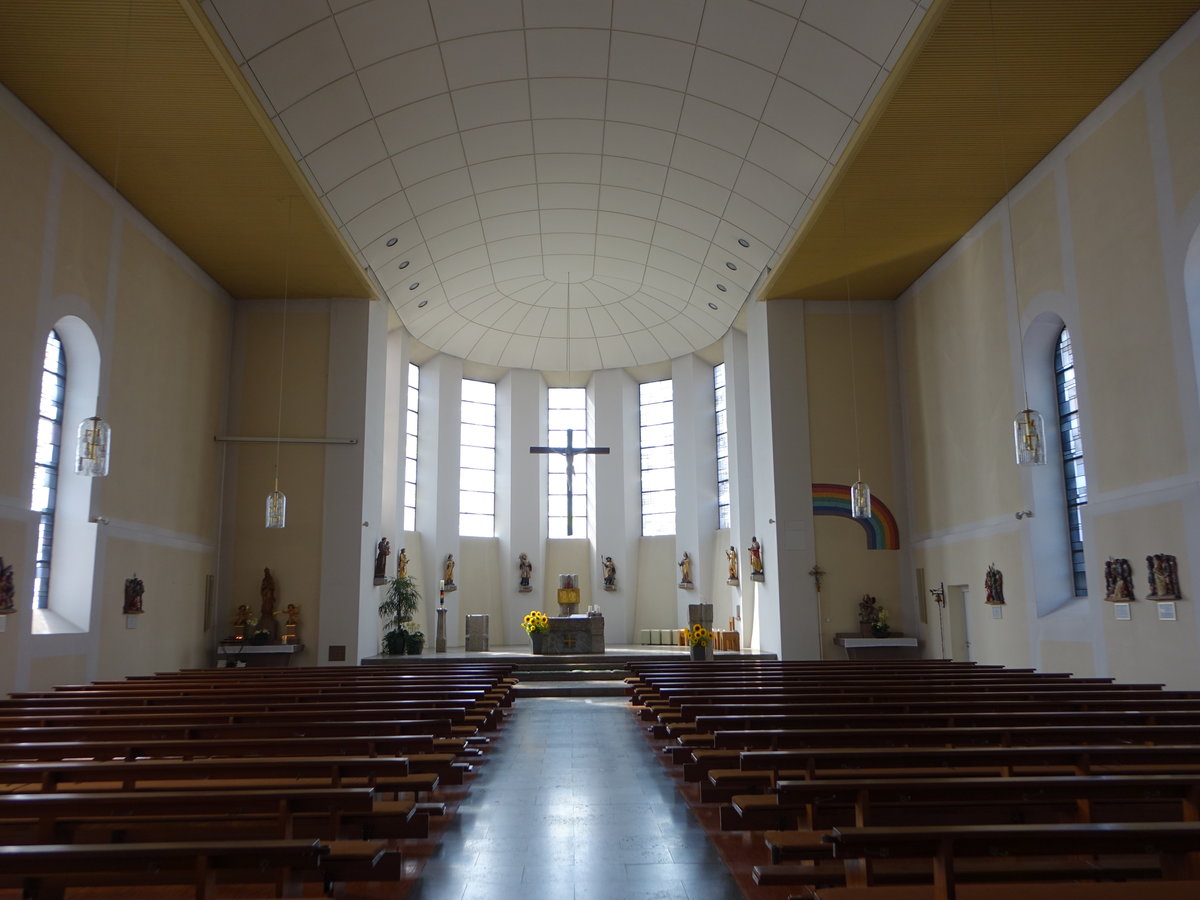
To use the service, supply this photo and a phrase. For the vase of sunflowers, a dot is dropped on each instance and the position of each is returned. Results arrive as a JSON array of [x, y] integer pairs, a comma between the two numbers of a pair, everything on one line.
[[699, 638], [536, 623]]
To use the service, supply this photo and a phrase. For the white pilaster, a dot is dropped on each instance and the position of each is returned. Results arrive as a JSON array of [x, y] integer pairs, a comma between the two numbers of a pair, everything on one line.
[[437, 492], [614, 496], [786, 601], [520, 497], [695, 475], [353, 480], [741, 480]]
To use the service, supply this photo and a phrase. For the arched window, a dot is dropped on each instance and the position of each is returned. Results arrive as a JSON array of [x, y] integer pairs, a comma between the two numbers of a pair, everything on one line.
[[46, 461], [1074, 478], [64, 579]]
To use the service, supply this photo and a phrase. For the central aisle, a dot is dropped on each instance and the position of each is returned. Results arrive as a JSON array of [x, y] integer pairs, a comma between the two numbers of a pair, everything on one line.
[[572, 805]]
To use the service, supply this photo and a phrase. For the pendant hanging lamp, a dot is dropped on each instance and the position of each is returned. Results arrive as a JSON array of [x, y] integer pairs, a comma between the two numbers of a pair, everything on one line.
[[860, 491], [1029, 429], [276, 500], [92, 448]]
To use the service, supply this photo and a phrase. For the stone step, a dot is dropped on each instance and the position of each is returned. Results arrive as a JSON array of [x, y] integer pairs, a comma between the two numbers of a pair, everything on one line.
[[569, 689], [543, 674]]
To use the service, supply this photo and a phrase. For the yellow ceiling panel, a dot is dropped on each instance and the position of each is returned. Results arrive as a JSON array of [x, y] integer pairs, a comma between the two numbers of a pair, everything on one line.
[[147, 95], [986, 91]]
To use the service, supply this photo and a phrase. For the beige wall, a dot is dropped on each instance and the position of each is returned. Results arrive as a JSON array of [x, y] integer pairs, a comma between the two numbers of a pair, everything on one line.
[[70, 246], [1098, 229], [1123, 303], [24, 184], [837, 396], [293, 554], [959, 400], [1179, 79]]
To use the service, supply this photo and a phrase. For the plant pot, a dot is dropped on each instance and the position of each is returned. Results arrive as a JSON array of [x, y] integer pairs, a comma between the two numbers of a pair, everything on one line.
[[866, 630], [537, 640], [698, 651], [414, 644], [393, 643]]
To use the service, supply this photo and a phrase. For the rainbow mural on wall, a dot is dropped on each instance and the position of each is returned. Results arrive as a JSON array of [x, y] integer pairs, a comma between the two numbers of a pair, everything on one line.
[[834, 500]]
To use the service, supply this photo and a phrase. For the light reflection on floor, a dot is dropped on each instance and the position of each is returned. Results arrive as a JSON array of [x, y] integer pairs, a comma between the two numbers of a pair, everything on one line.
[[572, 805]]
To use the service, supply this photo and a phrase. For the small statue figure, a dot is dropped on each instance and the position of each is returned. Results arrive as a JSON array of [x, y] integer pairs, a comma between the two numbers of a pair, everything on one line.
[[448, 573], [526, 568], [134, 589], [291, 624], [382, 552], [6, 589], [402, 564], [1164, 578], [266, 614], [756, 562], [685, 571], [993, 585], [610, 574], [1118, 580], [731, 555]]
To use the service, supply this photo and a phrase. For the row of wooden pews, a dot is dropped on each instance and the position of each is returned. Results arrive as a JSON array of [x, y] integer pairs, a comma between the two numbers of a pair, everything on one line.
[[935, 780], [278, 777]]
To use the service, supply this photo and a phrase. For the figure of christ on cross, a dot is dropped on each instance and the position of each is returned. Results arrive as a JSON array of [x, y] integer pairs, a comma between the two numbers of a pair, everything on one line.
[[570, 452]]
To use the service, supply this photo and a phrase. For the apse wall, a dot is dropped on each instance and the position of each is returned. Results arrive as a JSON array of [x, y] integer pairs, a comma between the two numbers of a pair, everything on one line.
[[1096, 239]]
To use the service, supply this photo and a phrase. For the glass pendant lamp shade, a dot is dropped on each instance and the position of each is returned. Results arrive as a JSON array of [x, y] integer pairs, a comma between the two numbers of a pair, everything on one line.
[[276, 508], [91, 453], [1029, 434], [860, 500]]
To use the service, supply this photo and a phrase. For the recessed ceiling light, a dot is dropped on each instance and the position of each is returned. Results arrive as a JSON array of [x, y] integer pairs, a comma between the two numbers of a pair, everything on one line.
[[392, 242], [743, 242], [711, 305], [414, 285], [731, 267], [403, 265], [422, 304], [721, 287]]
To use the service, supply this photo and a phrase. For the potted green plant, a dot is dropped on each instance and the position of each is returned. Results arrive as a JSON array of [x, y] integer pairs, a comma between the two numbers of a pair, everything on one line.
[[397, 608]]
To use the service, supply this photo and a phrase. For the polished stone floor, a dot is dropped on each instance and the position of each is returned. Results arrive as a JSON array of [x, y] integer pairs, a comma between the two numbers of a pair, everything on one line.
[[572, 805]]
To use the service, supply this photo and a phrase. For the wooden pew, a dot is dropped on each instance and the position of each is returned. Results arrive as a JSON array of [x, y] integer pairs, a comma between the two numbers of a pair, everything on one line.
[[55, 814], [1169, 843], [43, 871], [1096, 890], [1009, 736], [759, 770], [346, 745], [863, 800]]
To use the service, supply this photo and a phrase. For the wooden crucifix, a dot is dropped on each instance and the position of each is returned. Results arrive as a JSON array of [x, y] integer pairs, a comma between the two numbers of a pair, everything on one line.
[[570, 452]]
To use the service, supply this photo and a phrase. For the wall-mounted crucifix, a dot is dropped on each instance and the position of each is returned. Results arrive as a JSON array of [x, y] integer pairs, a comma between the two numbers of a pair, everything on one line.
[[570, 452]]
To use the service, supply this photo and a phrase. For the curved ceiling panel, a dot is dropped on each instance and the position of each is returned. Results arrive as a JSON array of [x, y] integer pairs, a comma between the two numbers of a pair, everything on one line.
[[557, 185]]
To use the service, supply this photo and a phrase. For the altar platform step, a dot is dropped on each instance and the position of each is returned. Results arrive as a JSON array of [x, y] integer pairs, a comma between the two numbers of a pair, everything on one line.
[[573, 688]]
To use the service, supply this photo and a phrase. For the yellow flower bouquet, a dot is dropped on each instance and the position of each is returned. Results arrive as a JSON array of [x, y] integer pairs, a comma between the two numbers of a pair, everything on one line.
[[699, 636], [536, 622]]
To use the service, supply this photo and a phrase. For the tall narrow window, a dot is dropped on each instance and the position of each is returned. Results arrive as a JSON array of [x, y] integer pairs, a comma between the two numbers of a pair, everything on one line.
[[722, 446], [477, 464], [1072, 452], [658, 457], [45, 463], [567, 409], [410, 449]]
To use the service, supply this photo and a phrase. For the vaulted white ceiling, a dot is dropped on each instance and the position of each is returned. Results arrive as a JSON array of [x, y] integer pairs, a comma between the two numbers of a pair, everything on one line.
[[566, 184]]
